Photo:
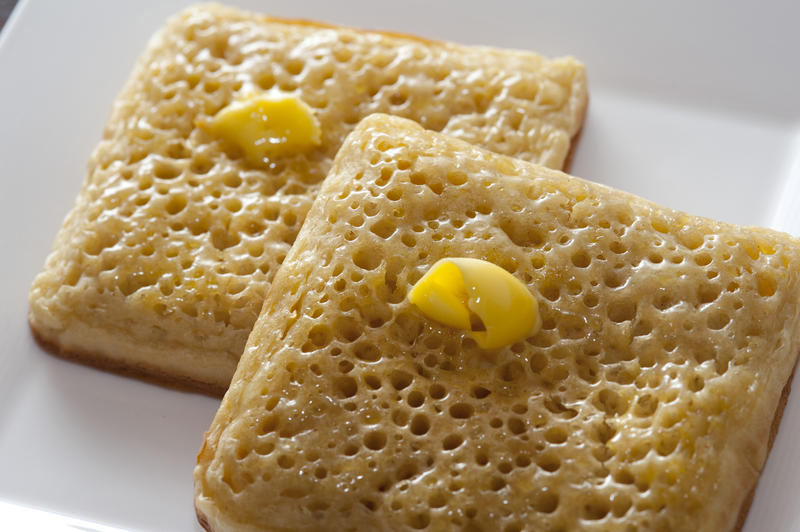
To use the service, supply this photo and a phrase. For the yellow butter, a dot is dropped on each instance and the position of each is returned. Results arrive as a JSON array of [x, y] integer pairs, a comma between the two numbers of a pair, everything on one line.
[[266, 126], [456, 288]]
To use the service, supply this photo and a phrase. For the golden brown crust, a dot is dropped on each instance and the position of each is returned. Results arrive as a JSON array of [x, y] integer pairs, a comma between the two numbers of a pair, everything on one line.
[[575, 139], [147, 374], [323, 25], [201, 518], [744, 510]]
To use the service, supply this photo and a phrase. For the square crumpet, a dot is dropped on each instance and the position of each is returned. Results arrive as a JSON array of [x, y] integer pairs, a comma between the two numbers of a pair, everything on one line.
[[163, 263], [645, 401]]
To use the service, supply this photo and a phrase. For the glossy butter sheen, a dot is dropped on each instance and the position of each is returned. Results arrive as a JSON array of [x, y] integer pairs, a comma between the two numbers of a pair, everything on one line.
[[455, 287], [265, 125]]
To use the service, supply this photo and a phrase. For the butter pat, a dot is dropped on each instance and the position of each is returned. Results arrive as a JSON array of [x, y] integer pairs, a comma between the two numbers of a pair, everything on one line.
[[265, 126], [492, 305]]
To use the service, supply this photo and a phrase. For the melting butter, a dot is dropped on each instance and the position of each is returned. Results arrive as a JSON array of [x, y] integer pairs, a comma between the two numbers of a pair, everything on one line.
[[493, 306], [265, 126]]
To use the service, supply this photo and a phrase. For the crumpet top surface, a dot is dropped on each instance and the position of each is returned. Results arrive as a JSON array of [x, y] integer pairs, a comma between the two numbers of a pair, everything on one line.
[[644, 402], [174, 238]]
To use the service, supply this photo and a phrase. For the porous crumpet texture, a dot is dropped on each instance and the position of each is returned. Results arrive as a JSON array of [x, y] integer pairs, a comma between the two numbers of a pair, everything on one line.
[[644, 403], [164, 261]]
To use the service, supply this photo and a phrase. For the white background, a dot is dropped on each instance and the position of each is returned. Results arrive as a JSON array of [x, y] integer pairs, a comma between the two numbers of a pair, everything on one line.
[[694, 105]]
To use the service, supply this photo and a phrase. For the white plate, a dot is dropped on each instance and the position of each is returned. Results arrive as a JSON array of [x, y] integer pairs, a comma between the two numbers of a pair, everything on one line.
[[694, 105]]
